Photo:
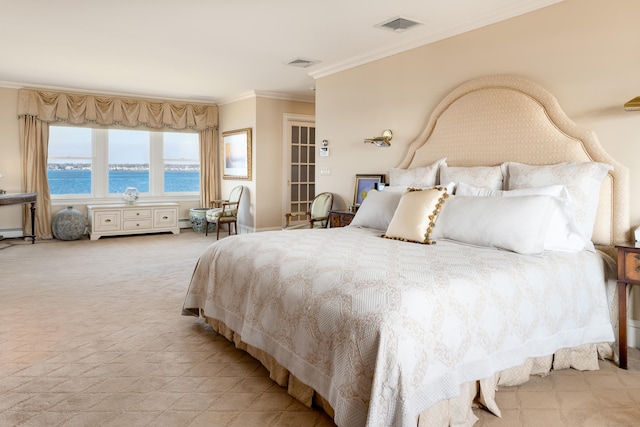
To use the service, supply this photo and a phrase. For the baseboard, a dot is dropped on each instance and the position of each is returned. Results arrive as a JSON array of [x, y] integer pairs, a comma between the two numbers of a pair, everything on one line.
[[633, 333], [11, 233], [184, 223]]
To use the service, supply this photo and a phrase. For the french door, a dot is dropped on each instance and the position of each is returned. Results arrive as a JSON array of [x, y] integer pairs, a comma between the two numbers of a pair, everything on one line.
[[299, 164]]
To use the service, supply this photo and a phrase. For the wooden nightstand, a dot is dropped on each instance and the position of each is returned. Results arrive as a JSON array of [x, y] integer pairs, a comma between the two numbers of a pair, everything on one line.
[[340, 218], [628, 274]]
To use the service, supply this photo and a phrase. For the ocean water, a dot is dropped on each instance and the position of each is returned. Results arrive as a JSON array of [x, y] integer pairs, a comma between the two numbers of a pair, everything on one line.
[[78, 181]]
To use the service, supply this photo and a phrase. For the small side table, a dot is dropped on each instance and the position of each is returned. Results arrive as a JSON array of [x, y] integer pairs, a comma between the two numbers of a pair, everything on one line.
[[628, 274], [340, 218], [22, 198]]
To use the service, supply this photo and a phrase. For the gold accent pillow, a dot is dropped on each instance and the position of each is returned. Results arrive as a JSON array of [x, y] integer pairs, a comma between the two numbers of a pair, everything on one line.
[[415, 217]]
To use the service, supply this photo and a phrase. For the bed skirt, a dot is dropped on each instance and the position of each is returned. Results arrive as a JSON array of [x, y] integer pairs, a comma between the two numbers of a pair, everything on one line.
[[457, 411]]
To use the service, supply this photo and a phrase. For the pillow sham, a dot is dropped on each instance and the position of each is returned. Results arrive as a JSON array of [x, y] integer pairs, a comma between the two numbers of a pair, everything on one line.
[[478, 176], [582, 179], [415, 216], [424, 176], [377, 209], [517, 224], [563, 233]]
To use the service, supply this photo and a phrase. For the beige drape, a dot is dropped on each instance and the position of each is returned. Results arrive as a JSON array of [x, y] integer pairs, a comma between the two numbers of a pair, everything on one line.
[[34, 143], [208, 174], [37, 108]]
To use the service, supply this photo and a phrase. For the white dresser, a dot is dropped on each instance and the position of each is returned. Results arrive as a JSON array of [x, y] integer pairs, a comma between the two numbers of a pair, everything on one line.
[[122, 219]]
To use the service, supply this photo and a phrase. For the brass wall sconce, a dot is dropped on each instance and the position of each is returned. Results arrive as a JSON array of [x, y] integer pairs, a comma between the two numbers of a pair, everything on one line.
[[633, 105], [381, 141]]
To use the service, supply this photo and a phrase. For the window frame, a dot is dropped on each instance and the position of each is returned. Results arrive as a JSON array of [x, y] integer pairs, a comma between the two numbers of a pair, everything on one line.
[[100, 171]]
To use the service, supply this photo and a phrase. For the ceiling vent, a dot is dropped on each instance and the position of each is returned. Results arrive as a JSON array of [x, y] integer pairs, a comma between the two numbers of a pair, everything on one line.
[[302, 63], [399, 24]]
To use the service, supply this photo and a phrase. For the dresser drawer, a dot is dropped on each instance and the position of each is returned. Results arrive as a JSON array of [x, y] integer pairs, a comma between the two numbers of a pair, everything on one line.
[[143, 224], [165, 218], [137, 213], [106, 221], [632, 266], [340, 218]]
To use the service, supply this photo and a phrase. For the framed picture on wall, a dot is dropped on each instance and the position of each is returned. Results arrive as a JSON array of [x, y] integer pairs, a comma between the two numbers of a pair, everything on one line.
[[364, 184], [236, 145]]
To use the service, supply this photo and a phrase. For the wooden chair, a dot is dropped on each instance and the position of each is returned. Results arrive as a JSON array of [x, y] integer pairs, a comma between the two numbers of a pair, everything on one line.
[[226, 212], [317, 215]]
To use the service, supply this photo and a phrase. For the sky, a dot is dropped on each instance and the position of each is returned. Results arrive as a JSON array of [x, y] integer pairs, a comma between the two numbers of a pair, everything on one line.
[[125, 146]]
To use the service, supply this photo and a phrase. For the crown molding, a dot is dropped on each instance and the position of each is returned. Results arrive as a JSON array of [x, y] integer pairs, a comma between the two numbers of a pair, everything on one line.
[[496, 16]]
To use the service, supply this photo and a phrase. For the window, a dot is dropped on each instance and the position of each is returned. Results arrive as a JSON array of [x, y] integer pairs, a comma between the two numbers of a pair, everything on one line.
[[86, 163]]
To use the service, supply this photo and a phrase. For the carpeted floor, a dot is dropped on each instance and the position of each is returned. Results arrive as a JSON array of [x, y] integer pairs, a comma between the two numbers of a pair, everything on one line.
[[91, 335]]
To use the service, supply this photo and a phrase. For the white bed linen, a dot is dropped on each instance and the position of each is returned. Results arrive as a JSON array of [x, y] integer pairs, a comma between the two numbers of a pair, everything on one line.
[[384, 329]]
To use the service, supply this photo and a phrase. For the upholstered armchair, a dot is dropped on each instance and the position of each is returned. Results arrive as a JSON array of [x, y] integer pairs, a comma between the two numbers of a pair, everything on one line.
[[317, 215], [225, 212]]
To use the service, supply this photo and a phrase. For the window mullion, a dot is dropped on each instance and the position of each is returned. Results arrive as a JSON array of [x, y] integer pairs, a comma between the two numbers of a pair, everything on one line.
[[100, 162], [156, 166]]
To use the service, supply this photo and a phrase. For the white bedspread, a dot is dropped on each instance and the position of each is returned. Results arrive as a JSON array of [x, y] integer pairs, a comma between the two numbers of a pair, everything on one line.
[[384, 329]]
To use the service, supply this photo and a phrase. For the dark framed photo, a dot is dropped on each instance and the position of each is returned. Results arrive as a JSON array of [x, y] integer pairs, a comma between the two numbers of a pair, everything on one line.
[[237, 154], [364, 184]]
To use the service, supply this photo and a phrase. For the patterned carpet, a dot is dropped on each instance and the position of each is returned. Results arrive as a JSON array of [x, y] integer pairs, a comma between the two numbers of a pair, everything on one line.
[[91, 335]]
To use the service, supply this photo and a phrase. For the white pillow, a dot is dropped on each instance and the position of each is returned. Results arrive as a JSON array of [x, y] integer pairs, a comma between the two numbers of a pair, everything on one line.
[[583, 182], [517, 224], [478, 176], [421, 177], [377, 209], [415, 217], [563, 233]]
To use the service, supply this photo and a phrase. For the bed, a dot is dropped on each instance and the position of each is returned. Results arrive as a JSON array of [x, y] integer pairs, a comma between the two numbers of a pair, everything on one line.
[[382, 330]]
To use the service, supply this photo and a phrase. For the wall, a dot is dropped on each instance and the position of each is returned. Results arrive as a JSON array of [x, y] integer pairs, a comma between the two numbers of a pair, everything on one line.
[[10, 216], [233, 116], [263, 206], [270, 184], [585, 52]]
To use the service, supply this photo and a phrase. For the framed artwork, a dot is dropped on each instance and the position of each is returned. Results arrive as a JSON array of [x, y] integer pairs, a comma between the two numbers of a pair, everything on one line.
[[237, 154], [364, 184]]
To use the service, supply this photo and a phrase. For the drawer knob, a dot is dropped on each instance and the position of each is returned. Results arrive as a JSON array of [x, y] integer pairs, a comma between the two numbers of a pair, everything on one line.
[[107, 220], [165, 217], [138, 213]]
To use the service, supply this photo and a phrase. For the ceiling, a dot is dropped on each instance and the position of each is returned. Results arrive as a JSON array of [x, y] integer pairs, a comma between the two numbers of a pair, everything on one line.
[[213, 51]]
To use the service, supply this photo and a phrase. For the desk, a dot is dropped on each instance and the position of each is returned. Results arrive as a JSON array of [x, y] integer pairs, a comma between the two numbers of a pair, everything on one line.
[[20, 199]]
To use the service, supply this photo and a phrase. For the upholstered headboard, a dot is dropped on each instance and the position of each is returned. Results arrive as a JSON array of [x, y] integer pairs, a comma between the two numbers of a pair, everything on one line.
[[496, 119]]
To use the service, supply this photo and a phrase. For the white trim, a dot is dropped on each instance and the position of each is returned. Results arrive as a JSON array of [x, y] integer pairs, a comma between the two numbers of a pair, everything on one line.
[[11, 233], [478, 22], [633, 333], [264, 94], [288, 118]]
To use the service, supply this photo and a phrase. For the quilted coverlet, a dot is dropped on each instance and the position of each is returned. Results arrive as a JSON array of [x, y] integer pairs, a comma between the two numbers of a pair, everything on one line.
[[384, 329]]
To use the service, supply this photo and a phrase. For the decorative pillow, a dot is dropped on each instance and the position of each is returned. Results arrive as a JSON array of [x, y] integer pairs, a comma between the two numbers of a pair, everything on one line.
[[479, 176], [583, 182], [415, 217], [450, 187], [377, 209], [421, 177], [563, 233], [517, 224]]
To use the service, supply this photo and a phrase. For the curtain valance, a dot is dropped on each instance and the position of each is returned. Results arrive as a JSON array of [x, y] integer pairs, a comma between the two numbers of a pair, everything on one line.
[[77, 109]]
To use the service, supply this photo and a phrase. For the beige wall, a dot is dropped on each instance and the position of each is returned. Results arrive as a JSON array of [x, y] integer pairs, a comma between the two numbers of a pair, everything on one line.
[[270, 184], [585, 52], [10, 216], [263, 202], [234, 116]]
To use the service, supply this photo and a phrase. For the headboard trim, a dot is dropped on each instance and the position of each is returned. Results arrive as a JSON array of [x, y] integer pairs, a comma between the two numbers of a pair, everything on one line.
[[494, 119]]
